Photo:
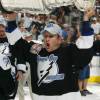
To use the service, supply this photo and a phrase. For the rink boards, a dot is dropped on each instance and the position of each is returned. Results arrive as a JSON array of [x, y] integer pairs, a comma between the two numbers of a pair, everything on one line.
[[95, 70]]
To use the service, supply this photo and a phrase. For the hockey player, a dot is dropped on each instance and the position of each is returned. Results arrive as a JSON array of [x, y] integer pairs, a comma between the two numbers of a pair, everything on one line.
[[54, 70], [9, 58], [8, 83]]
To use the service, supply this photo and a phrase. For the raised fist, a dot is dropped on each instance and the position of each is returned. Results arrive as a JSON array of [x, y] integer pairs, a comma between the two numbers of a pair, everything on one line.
[[89, 12]]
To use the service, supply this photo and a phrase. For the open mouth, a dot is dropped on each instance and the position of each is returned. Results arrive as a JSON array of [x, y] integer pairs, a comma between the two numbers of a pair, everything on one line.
[[47, 45]]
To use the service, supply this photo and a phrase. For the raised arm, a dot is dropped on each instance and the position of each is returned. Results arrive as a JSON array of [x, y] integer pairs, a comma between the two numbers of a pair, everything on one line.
[[82, 53], [86, 38], [11, 22]]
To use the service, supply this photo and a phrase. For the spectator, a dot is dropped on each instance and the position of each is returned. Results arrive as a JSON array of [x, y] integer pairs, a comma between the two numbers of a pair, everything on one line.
[[84, 75], [96, 27]]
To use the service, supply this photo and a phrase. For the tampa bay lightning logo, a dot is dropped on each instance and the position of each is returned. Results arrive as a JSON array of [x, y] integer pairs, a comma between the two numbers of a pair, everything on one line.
[[48, 70], [4, 48], [5, 63], [6, 60]]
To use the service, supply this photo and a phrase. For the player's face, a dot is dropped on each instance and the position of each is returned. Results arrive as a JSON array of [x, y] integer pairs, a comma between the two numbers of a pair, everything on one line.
[[52, 42], [2, 31]]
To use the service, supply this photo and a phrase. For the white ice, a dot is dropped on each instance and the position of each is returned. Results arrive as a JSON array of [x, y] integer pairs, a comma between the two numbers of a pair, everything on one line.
[[94, 88]]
